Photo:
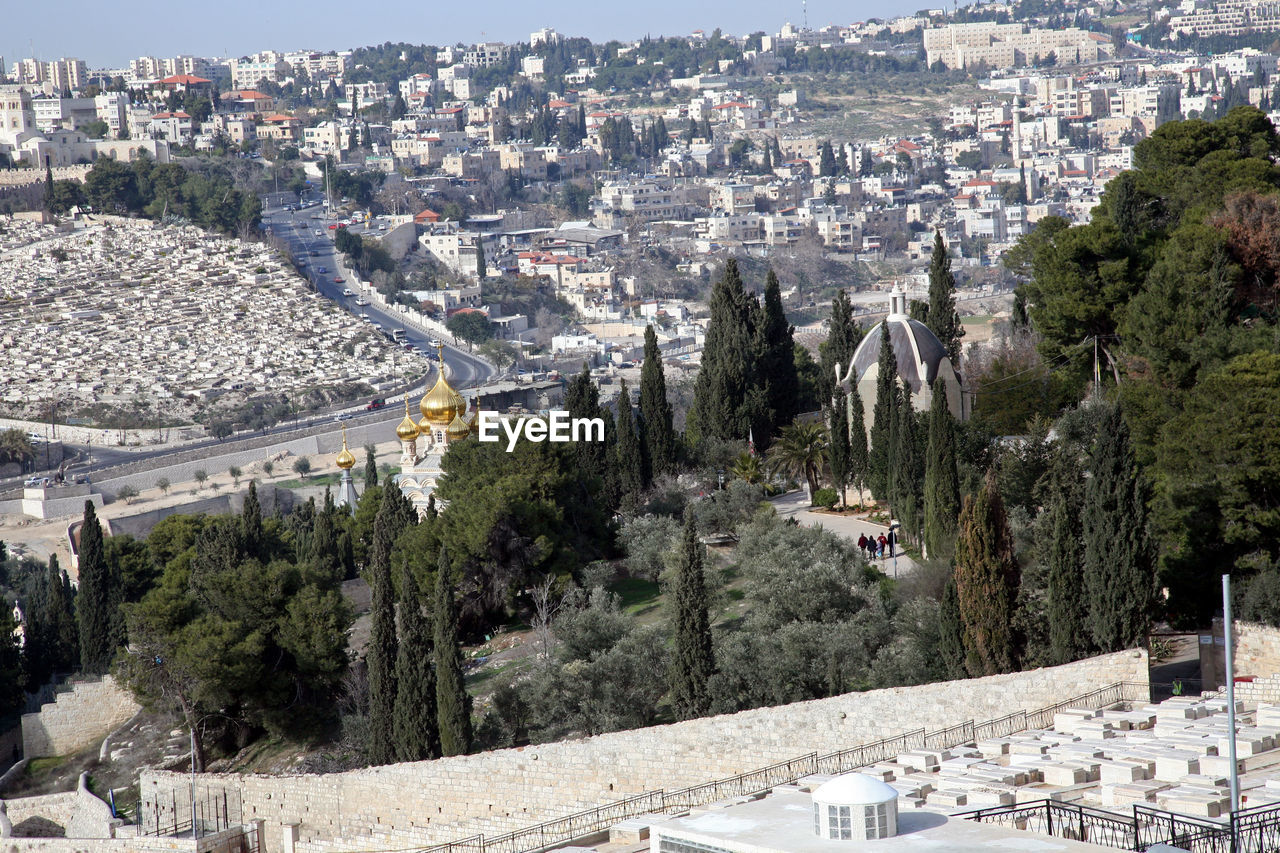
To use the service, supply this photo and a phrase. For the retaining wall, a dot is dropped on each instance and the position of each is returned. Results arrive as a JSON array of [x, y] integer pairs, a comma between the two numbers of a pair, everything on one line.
[[91, 710], [436, 801]]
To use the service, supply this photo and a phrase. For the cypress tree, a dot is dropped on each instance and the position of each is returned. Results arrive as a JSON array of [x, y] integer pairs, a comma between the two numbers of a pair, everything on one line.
[[453, 704], [251, 523], [858, 459], [416, 728], [826, 160], [951, 632], [1066, 608], [482, 269], [324, 557], [370, 468], [1119, 563], [11, 695], [98, 602], [907, 468], [582, 400], [777, 366], [627, 454], [380, 656], [941, 479], [655, 410], [839, 452], [843, 338], [944, 320], [693, 661], [987, 580], [880, 458], [720, 392]]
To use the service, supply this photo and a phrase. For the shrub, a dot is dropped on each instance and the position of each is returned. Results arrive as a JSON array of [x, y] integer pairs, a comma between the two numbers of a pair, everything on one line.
[[827, 497]]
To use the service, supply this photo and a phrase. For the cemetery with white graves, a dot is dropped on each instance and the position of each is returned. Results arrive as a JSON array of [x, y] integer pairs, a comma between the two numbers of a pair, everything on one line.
[[133, 311]]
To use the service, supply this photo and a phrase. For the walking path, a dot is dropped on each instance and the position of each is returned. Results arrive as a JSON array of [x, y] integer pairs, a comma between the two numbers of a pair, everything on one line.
[[796, 505]]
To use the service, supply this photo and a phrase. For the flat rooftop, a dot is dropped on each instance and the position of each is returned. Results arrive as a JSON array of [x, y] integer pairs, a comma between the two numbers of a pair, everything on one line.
[[783, 821]]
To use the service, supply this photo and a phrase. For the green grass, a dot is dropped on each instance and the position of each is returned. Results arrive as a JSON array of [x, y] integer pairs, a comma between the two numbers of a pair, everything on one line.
[[316, 480], [639, 596], [39, 767], [976, 320]]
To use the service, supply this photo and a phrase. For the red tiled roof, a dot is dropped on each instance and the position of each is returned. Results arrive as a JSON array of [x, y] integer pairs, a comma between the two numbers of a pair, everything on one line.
[[185, 80], [248, 95]]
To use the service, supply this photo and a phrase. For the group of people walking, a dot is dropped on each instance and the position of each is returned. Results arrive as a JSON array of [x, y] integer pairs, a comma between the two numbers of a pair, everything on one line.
[[878, 546]]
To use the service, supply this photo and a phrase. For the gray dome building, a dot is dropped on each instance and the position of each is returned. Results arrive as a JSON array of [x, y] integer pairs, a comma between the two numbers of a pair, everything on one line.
[[921, 358]]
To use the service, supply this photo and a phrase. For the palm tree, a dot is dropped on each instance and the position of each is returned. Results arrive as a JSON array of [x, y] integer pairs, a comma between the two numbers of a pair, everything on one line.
[[15, 446], [800, 451], [747, 467]]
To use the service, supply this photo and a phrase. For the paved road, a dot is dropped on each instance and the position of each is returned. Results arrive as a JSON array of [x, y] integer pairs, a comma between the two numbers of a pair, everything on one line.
[[298, 229], [796, 505]]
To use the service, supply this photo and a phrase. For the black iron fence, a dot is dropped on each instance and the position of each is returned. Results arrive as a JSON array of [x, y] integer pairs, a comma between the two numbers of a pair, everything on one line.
[[590, 821], [1255, 830], [211, 810]]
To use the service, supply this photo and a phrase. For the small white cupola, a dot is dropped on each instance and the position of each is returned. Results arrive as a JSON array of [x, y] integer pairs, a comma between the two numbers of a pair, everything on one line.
[[855, 807]]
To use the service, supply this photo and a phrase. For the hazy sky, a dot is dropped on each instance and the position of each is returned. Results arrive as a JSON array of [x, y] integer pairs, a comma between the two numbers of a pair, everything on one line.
[[109, 34]]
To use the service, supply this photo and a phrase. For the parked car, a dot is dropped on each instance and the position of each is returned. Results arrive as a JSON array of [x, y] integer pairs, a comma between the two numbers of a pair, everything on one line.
[[346, 291]]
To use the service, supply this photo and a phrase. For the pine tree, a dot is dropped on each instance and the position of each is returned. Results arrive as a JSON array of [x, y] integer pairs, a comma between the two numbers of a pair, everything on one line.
[[827, 166], [628, 457], [655, 410], [416, 729], [858, 460], [453, 703], [380, 655], [880, 459], [777, 365], [987, 580], [98, 603], [951, 632], [941, 479], [839, 452], [370, 468], [1066, 609], [944, 320], [1119, 562], [693, 661]]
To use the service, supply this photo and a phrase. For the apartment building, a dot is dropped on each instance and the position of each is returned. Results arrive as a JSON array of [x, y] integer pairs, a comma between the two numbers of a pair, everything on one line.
[[1228, 18], [1011, 45], [248, 71], [63, 113]]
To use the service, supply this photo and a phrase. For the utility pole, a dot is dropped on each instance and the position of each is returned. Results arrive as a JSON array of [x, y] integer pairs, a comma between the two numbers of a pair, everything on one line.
[[1227, 638]]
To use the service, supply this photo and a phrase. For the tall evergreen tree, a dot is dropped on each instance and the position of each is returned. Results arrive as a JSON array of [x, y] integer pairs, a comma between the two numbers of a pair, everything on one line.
[[987, 579], [1119, 561], [98, 603], [843, 336], [251, 531], [777, 364], [380, 655], [582, 400], [941, 479], [628, 453], [1066, 608], [880, 458], [858, 458], [60, 617], [827, 165], [453, 703], [720, 406], [907, 469], [693, 661], [655, 410], [482, 269], [415, 726], [951, 632], [370, 468], [944, 320], [839, 452], [11, 695]]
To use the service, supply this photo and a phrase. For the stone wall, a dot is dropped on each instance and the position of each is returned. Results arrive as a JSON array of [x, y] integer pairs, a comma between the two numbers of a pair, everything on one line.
[[88, 712], [30, 816], [435, 801]]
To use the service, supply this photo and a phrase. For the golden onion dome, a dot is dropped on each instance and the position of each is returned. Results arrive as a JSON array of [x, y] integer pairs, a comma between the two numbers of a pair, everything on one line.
[[408, 430], [442, 404], [345, 457], [458, 428]]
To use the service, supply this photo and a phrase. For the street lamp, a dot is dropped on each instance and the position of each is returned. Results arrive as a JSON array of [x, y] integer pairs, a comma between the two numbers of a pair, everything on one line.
[[720, 477]]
